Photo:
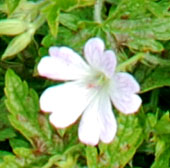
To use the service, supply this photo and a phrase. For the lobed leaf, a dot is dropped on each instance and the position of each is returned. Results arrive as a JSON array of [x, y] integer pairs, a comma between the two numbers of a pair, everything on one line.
[[23, 106]]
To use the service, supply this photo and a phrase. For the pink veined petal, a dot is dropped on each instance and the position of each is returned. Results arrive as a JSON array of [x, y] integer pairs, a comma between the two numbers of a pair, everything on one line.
[[66, 102], [89, 128], [93, 51], [123, 89], [125, 83], [98, 122], [62, 64], [126, 103], [108, 63], [107, 121], [104, 61]]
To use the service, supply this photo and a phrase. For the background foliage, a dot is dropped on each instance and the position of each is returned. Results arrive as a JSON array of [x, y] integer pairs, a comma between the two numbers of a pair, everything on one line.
[[137, 30]]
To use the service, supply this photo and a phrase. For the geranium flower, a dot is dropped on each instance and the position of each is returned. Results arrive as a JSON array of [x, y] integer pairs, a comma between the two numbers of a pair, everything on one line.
[[89, 91]]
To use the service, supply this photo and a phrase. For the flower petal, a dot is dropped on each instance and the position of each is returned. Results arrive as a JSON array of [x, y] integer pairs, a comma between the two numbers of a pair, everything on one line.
[[107, 121], [66, 102], [123, 91], [104, 61], [93, 51], [62, 64], [89, 130], [126, 103], [126, 83], [108, 63], [98, 122]]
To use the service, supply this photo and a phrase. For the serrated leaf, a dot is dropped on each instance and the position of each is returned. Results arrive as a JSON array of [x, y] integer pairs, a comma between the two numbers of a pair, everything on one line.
[[6, 130], [24, 158], [158, 9], [158, 78], [125, 144], [162, 155], [129, 9], [140, 34], [23, 105]]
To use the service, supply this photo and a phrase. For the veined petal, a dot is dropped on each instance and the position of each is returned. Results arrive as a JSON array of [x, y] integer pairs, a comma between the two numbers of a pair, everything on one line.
[[107, 121], [98, 122], [126, 103], [122, 92], [125, 83], [66, 102], [108, 63], [89, 129], [104, 61], [93, 51], [62, 64]]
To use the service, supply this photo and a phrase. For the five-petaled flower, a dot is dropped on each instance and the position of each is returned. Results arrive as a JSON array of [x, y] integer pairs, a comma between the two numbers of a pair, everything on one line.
[[90, 90]]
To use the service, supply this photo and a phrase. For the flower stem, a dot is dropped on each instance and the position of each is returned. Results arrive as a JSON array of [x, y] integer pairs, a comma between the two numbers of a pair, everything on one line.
[[97, 11], [144, 57], [156, 61], [123, 66]]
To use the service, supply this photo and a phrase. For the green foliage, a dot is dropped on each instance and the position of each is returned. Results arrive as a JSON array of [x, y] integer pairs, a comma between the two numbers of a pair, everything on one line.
[[122, 149], [23, 105], [139, 33], [162, 149], [6, 131], [156, 79]]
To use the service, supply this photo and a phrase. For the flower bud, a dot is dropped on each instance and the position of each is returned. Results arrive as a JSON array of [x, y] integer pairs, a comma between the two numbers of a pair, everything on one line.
[[18, 44], [12, 27]]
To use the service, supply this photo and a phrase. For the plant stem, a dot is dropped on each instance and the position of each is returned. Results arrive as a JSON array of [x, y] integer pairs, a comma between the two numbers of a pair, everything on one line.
[[97, 11], [123, 66], [153, 60], [39, 22]]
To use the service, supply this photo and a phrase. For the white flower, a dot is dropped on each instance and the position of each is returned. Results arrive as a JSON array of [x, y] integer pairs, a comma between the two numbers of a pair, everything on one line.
[[90, 90]]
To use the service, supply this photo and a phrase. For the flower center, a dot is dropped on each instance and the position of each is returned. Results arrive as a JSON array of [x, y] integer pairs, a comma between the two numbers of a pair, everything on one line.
[[98, 81]]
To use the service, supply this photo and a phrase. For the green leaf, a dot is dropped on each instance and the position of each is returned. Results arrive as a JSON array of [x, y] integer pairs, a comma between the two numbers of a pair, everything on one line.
[[17, 143], [162, 155], [48, 41], [135, 33], [118, 153], [18, 44], [24, 158], [12, 4], [7, 133], [12, 26], [163, 125], [23, 105], [52, 13], [158, 9], [158, 78], [2, 154], [71, 4], [139, 24], [125, 144], [6, 130], [69, 20]]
